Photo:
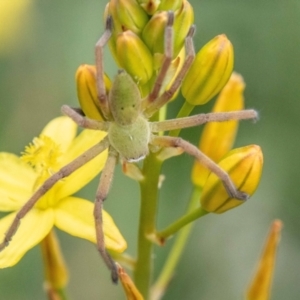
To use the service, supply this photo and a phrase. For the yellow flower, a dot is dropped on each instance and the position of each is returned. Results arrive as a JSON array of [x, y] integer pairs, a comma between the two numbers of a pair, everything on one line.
[[21, 176]]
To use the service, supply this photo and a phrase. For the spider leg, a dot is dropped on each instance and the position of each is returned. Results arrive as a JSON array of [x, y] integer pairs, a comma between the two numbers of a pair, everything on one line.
[[100, 67], [83, 121], [168, 94], [168, 141], [203, 118], [102, 192], [49, 183], [168, 46]]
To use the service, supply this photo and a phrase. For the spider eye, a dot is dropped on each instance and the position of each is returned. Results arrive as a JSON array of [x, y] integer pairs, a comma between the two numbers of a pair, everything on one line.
[[133, 105], [122, 108]]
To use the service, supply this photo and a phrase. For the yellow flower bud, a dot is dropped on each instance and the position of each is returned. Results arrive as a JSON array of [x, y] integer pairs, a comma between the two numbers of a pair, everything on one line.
[[184, 18], [150, 6], [131, 291], [260, 288], [87, 91], [170, 4], [244, 166], [218, 137], [134, 56], [127, 15], [154, 31], [55, 268], [209, 72]]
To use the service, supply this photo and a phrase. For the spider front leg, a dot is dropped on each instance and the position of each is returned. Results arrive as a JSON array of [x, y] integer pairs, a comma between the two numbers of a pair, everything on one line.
[[156, 104], [168, 141], [49, 183], [167, 125], [100, 67], [83, 121], [102, 192]]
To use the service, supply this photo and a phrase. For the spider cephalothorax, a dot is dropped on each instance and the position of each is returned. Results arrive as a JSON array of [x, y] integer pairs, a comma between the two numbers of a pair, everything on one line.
[[130, 133]]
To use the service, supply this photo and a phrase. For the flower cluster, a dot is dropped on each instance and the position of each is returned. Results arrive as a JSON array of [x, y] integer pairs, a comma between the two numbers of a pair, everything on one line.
[[138, 44]]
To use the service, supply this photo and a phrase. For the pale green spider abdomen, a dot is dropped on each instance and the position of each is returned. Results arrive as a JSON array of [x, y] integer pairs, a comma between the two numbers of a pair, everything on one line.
[[131, 141], [124, 99]]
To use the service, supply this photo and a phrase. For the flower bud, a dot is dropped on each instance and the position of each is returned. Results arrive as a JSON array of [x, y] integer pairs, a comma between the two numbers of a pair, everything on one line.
[[87, 91], [170, 4], [129, 287], [209, 72], [184, 18], [150, 6], [260, 288], [127, 15], [154, 31], [244, 166], [134, 56], [218, 137], [55, 268]]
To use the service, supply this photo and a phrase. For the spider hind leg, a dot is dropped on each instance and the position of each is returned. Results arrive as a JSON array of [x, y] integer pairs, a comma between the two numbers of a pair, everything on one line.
[[168, 141]]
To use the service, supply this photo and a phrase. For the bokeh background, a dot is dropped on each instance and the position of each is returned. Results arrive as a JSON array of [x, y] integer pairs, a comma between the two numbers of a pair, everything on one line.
[[41, 46]]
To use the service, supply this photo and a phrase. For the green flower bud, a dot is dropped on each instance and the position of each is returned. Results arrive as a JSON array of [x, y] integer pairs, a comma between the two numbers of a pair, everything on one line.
[[244, 166], [131, 51], [150, 6], [154, 31], [209, 72], [184, 18], [87, 91], [127, 15], [170, 4]]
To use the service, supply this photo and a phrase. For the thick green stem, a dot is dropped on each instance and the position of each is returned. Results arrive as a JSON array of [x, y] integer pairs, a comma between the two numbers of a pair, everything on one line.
[[148, 209], [175, 254]]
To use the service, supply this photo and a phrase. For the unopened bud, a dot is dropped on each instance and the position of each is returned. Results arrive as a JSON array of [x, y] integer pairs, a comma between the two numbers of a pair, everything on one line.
[[150, 6], [55, 268], [127, 15], [260, 288], [218, 137], [131, 291], [244, 166], [134, 56], [154, 31], [170, 4], [209, 72], [87, 91]]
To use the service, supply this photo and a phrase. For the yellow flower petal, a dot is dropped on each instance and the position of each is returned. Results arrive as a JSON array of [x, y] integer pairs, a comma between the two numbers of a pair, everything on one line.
[[62, 131], [75, 216], [85, 174], [16, 181], [33, 228]]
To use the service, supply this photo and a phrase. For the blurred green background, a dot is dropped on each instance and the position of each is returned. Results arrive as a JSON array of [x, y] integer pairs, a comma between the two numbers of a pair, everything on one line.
[[38, 59]]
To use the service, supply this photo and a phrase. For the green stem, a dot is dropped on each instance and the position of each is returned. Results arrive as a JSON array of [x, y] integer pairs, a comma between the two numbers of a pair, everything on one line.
[[185, 111], [167, 272], [148, 209], [183, 221]]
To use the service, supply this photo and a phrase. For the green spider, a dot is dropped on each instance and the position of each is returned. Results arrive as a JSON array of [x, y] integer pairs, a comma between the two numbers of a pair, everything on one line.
[[131, 134]]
